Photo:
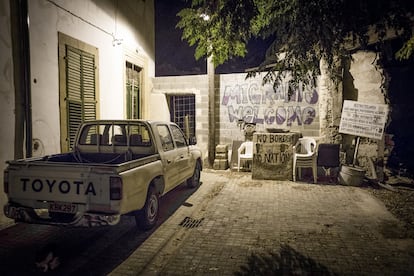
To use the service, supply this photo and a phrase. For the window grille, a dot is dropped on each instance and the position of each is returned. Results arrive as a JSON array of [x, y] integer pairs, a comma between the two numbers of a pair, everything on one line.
[[133, 90], [182, 112]]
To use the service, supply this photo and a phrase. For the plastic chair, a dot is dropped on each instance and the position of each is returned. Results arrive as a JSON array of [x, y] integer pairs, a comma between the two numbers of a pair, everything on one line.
[[306, 158], [245, 153]]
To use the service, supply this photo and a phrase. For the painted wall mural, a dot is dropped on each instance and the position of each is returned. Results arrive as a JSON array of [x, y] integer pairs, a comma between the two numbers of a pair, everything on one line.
[[254, 103]]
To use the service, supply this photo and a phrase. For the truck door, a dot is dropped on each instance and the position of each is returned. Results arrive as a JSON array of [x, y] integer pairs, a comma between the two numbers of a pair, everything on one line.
[[168, 157], [183, 154]]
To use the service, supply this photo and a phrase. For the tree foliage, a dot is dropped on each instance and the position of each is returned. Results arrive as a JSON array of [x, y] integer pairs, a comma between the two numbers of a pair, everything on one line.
[[303, 31]]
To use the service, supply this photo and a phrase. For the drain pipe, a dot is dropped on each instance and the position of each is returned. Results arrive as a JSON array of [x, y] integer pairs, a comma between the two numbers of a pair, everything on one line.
[[21, 60]]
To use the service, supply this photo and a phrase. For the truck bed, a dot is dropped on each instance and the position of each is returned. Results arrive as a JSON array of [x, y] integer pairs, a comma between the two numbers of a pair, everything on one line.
[[99, 158]]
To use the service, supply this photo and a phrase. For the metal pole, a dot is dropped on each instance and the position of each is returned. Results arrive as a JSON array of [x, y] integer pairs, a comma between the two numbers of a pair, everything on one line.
[[211, 113], [187, 126], [356, 151]]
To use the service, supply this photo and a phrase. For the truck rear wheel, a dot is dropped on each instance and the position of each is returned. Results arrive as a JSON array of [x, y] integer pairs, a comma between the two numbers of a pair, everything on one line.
[[147, 217], [194, 180]]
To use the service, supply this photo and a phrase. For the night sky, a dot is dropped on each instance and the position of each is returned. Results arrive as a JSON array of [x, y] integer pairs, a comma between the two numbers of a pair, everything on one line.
[[174, 57]]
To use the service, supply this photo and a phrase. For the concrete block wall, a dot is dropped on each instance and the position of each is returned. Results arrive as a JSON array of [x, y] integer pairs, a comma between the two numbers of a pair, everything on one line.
[[237, 98], [221, 158], [196, 85], [247, 99], [313, 112]]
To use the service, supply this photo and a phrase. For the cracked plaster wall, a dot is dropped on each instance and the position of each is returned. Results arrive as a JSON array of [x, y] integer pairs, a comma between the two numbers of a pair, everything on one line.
[[369, 81]]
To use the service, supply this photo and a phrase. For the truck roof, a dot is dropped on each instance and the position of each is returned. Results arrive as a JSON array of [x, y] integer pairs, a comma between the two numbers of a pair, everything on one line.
[[123, 121]]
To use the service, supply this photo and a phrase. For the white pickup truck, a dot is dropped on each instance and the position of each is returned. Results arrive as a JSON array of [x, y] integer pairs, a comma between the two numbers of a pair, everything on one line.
[[117, 167]]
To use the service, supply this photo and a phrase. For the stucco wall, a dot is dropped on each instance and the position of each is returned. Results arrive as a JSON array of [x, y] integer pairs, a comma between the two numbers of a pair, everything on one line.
[[368, 77], [6, 97], [368, 81], [121, 30], [115, 29]]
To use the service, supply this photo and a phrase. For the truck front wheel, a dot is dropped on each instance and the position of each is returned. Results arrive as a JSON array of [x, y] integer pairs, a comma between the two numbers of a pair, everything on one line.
[[147, 217]]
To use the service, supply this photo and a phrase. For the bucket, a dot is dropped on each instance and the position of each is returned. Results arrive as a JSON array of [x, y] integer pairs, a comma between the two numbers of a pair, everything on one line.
[[351, 176]]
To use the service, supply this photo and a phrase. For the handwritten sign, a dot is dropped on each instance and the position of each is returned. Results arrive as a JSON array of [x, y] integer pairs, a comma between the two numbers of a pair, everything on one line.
[[363, 119], [272, 155]]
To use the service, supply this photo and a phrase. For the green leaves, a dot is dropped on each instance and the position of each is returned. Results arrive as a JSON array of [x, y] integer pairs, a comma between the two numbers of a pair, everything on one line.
[[224, 35], [407, 50], [305, 31]]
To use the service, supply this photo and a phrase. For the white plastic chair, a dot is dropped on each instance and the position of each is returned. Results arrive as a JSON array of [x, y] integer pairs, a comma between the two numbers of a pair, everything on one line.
[[245, 153], [306, 158]]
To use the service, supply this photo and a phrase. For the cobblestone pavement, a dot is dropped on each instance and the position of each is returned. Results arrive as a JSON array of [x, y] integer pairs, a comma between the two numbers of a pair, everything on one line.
[[236, 225]]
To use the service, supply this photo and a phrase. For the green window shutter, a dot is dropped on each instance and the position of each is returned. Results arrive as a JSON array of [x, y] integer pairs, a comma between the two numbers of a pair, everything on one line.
[[89, 95], [80, 88]]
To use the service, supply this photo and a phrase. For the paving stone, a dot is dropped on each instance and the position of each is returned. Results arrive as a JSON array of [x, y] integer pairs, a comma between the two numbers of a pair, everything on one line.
[[310, 228]]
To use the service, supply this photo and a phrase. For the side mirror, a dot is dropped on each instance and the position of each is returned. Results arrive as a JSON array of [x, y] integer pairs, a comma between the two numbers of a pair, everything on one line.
[[192, 140]]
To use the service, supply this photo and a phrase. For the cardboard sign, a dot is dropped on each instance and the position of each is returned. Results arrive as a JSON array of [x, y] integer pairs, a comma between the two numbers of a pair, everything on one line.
[[273, 155], [363, 119]]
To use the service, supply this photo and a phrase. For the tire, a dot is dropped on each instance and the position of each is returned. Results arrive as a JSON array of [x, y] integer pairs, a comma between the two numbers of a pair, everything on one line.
[[194, 180], [147, 217]]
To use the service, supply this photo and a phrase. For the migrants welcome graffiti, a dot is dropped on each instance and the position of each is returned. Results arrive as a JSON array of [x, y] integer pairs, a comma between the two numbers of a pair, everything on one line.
[[255, 103]]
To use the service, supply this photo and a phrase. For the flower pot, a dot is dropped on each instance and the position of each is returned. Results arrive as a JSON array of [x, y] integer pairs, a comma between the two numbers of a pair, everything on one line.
[[351, 176]]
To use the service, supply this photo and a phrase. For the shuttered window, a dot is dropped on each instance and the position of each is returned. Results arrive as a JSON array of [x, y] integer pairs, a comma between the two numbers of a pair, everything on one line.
[[133, 89], [81, 101], [78, 85]]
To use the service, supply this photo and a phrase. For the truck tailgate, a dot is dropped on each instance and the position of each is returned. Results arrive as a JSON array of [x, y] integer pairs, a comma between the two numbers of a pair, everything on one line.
[[59, 182]]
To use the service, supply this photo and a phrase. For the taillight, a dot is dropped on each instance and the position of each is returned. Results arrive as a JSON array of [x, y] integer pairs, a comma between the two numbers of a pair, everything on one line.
[[115, 188], [6, 182]]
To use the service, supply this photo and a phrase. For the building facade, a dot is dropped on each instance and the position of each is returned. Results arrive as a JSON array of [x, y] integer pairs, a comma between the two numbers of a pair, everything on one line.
[[64, 62]]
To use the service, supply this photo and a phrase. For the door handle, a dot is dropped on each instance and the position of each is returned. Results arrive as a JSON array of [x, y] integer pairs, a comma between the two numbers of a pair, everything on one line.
[[178, 158]]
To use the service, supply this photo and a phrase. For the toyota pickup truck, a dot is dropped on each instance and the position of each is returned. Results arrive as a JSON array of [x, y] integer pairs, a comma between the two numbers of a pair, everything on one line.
[[116, 167]]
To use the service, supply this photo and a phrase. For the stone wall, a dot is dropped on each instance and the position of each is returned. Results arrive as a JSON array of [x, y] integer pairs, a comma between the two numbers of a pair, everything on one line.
[[369, 81], [330, 106]]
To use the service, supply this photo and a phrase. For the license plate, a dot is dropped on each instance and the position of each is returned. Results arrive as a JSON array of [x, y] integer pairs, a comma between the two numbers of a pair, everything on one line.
[[62, 207]]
